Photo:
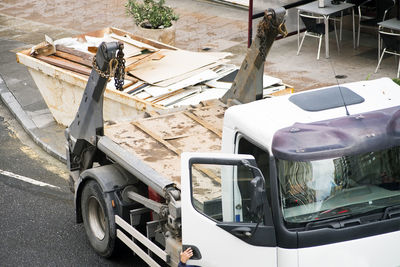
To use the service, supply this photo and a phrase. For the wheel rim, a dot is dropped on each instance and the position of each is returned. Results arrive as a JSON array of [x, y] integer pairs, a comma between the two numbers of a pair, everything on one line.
[[97, 220]]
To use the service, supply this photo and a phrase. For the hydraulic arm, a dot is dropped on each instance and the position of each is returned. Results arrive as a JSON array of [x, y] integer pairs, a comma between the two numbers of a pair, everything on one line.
[[248, 84], [88, 123]]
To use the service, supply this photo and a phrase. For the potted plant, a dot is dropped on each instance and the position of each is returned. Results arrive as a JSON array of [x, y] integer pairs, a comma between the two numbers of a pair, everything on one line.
[[153, 19]]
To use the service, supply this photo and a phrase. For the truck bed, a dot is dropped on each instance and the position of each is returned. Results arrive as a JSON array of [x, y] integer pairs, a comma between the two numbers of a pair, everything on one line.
[[159, 140]]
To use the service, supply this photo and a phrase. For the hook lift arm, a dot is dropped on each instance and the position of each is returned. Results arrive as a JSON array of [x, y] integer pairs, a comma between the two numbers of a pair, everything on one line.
[[248, 84]]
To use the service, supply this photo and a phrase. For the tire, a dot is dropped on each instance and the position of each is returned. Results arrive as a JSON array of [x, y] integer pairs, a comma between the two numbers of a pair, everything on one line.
[[97, 220]]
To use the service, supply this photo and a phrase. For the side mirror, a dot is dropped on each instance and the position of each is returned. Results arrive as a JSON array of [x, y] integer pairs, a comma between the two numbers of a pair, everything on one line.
[[257, 194]]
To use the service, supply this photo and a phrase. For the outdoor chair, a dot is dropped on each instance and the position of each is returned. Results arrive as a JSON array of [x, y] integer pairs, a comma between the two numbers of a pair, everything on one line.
[[391, 44], [315, 29], [371, 12]]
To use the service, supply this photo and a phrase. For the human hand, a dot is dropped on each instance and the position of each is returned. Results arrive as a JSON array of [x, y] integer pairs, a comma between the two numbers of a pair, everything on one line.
[[186, 255]]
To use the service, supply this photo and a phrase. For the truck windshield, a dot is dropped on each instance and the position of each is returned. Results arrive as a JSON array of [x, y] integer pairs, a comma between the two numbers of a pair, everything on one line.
[[329, 188]]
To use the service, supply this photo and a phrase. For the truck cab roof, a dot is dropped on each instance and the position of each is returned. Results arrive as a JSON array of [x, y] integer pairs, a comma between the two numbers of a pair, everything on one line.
[[288, 111]]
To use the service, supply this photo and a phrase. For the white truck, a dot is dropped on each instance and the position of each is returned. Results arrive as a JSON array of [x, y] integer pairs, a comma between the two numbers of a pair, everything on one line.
[[308, 179]]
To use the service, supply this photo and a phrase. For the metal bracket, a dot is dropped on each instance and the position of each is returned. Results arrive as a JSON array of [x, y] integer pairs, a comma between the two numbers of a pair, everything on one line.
[[151, 232], [136, 214], [157, 207]]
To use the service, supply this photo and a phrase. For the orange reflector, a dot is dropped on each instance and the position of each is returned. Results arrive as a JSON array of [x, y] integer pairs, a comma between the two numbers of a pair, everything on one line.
[[113, 203]]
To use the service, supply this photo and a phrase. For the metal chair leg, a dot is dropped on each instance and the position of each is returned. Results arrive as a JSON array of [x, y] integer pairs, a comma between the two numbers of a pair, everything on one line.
[[337, 41], [319, 45], [341, 25], [380, 60], [358, 33], [398, 69], [301, 43]]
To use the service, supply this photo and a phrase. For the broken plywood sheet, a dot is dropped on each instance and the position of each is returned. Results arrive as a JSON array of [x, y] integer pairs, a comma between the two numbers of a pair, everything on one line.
[[133, 62], [173, 98], [157, 91], [173, 64], [188, 75], [158, 141], [206, 94]]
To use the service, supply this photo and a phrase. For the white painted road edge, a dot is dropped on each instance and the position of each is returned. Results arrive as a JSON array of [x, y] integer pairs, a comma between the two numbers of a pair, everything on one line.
[[26, 179]]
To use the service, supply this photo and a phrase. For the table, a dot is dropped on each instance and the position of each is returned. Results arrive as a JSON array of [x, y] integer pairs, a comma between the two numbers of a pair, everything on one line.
[[325, 12], [392, 24]]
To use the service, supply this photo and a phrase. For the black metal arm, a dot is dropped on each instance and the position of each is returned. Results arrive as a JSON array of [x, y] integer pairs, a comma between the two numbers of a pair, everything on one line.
[[88, 123]]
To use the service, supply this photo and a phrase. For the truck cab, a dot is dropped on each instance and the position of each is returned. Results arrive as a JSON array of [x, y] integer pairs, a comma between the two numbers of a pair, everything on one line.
[[329, 159]]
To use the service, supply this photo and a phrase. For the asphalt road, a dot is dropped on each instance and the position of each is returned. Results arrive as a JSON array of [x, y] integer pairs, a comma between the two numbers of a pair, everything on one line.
[[37, 223]]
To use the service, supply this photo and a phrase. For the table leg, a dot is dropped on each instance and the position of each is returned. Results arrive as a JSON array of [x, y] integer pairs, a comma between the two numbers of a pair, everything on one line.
[[326, 22], [354, 29], [298, 29], [379, 44]]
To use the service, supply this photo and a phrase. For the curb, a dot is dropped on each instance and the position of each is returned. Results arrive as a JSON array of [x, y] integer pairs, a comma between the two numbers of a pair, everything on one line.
[[26, 122]]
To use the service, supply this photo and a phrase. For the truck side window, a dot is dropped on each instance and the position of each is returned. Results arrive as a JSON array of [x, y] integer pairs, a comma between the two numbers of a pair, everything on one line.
[[262, 160], [214, 193]]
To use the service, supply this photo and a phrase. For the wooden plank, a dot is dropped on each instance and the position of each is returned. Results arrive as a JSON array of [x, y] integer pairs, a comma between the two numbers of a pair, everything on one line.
[[208, 172], [187, 93], [73, 58], [286, 91], [134, 59], [130, 78], [165, 96], [157, 137], [177, 151], [133, 42], [204, 123], [153, 43], [72, 51], [65, 64]]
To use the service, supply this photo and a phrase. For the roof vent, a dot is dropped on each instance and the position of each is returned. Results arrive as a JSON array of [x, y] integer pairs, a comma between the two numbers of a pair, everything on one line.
[[326, 99]]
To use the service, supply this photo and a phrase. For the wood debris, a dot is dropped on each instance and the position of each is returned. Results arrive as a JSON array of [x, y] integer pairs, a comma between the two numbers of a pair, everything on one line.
[[155, 72], [66, 64], [45, 48]]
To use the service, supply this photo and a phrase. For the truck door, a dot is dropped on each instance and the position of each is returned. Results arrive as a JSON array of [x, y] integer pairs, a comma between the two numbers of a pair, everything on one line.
[[225, 226]]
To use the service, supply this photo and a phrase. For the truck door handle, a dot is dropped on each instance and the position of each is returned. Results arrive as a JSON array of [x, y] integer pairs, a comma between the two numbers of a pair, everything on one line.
[[196, 251], [242, 231]]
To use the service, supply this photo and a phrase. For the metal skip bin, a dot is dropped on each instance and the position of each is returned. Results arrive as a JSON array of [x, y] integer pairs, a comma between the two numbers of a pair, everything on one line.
[[61, 77]]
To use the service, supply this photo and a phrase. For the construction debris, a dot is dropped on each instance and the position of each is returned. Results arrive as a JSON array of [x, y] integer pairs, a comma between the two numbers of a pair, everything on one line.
[[45, 48], [155, 72]]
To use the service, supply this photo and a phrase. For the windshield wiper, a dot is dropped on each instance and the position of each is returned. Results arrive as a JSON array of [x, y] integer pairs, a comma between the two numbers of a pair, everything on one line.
[[335, 223], [391, 212]]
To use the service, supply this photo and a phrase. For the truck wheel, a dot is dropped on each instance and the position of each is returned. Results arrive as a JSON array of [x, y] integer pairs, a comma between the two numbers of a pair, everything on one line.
[[96, 219]]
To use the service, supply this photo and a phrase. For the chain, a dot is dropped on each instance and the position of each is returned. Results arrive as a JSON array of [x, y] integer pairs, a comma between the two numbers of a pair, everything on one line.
[[263, 29], [103, 74], [268, 29], [120, 71], [116, 68]]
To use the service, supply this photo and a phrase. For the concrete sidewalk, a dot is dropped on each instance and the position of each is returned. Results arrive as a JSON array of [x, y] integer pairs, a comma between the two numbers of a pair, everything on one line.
[[201, 25]]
